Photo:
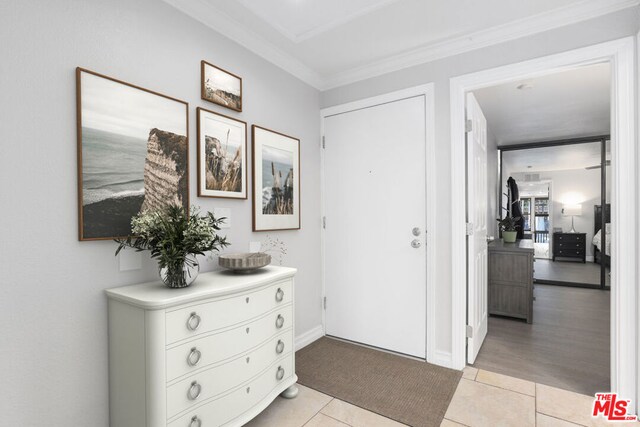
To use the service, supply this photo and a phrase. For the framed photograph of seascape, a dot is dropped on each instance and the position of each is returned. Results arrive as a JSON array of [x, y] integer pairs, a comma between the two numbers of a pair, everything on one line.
[[220, 86], [222, 156], [133, 151], [276, 180]]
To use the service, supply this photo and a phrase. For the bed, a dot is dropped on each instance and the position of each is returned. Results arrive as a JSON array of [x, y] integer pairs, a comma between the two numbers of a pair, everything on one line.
[[601, 241]]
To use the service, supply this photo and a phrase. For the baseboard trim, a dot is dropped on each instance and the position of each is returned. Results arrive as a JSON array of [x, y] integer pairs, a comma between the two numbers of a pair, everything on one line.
[[308, 337], [443, 358]]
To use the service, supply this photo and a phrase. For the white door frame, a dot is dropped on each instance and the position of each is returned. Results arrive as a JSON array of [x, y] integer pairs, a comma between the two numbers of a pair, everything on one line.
[[621, 55], [428, 91]]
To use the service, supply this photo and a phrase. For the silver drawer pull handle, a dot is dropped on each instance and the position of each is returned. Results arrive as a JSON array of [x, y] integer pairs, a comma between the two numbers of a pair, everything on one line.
[[194, 321], [195, 422], [280, 373], [194, 357], [279, 321], [279, 295], [279, 347], [194, 391]]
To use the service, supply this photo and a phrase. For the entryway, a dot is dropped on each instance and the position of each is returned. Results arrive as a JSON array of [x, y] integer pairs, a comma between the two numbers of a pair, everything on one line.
[[375, 220], [622, 302]]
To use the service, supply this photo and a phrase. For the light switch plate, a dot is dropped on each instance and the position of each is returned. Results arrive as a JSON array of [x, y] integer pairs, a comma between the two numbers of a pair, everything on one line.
[[254, 246], [223, 213], [130, 260]]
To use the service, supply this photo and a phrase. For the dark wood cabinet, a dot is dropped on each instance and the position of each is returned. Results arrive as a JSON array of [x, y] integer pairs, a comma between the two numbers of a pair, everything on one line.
[[511, 279], [570, 245]]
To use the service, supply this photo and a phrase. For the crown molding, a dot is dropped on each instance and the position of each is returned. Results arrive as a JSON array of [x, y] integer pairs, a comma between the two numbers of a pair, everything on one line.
[[224, 24], [221, 22], [556, 18]]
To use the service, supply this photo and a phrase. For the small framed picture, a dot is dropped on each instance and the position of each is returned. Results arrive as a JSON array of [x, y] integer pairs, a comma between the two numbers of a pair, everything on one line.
[[276, 180], [221, 87], [222, 156]]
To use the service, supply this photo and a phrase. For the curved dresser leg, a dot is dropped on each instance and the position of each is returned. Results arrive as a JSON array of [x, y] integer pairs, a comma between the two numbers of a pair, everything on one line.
[[290, 393]]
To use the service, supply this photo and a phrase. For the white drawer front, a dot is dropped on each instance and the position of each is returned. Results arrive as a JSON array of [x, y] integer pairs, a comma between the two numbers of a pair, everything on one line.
[[228, 407], [197, 319], [221, 378], [225, 345]]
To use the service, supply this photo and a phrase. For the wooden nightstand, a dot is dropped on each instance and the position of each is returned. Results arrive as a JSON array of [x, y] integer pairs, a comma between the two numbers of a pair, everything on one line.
[[570, 245]]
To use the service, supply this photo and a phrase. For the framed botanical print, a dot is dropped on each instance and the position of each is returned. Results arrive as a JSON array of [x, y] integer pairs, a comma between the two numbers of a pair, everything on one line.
[[222, 156], [276, 180], [220, 86], [133, 154]]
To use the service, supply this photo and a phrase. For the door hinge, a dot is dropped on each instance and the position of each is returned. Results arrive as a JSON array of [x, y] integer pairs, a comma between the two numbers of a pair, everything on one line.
[[324, 222], [323, 141], [324, 303], [469, 331], [469, 229], [468, 126]]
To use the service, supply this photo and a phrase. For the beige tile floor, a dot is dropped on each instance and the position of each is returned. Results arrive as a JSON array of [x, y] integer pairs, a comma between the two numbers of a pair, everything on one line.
[[482, 398]]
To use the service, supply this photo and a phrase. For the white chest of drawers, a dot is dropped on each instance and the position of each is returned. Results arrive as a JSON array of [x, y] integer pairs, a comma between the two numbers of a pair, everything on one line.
[[213, 354]]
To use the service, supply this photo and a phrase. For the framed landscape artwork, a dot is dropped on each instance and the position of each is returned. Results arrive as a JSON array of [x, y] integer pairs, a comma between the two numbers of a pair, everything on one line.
[[222, 156], [276, 180], [221, 87], [133, 151]]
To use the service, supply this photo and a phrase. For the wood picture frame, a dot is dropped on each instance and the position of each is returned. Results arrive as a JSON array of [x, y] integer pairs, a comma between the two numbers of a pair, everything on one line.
[[220, 86], [276, 180], [222, 155], [124, 134]]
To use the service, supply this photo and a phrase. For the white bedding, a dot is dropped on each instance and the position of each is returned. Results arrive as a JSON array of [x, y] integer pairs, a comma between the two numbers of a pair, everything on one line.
[[597, 240]]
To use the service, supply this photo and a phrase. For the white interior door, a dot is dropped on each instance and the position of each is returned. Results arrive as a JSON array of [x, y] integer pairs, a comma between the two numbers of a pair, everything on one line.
[[375, 267], [477, 259]]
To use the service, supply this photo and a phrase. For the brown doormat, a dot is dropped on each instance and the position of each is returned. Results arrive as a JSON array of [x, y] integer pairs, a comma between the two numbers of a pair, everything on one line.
[[406, 390]]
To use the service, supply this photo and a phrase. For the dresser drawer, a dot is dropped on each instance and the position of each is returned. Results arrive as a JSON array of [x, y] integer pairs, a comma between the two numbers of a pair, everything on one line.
[[570, 245], [570, 252], [196, 319], [225, 345], [568, 238], [217, 380], [224, 409]]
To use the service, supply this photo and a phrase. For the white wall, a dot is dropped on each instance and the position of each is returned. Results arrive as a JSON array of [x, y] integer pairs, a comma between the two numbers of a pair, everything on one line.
[[610, 27], [53, 318], [492, 184]]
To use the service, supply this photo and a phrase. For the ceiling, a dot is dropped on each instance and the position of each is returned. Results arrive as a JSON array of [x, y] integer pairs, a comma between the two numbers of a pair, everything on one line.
[[563, 157], [563, 105], [329, 43]]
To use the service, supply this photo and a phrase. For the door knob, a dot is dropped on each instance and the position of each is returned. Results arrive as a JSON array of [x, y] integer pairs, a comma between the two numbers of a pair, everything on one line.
[[415, 243], [415, 231]]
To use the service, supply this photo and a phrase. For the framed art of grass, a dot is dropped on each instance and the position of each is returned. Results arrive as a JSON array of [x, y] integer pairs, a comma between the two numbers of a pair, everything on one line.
[[276, 180], [133, 154], [222, 155]]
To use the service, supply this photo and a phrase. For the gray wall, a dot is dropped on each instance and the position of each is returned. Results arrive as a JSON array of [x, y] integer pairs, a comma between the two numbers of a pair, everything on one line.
[[610, 27], [53, 319]]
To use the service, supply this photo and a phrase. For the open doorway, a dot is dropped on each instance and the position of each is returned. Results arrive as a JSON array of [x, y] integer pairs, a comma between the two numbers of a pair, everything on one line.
[[549, 135]]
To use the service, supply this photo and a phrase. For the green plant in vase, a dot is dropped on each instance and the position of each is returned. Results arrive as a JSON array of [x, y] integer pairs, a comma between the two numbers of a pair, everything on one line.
[[508, 225], [174, 239]]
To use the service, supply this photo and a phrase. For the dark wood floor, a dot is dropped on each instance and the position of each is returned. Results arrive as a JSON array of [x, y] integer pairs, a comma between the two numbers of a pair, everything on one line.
[[567, 346]]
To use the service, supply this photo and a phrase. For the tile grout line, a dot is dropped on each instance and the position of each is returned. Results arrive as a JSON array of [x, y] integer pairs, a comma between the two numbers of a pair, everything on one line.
[[501, 388], [457, 422], [561, 419], [319, 410], [333, 418]]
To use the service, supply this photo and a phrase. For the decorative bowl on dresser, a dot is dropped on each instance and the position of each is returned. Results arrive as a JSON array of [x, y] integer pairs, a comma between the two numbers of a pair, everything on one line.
[[214, 354], [570, 245]]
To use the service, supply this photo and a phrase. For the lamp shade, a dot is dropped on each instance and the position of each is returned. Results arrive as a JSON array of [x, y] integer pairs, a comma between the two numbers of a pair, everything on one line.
[[571, 210]]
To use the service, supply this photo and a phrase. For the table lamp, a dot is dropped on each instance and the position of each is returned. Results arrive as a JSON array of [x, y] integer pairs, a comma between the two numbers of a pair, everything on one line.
[[572, 211]]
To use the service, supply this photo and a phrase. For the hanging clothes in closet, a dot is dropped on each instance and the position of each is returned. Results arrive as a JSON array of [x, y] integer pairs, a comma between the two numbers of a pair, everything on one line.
[[515, 209]]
